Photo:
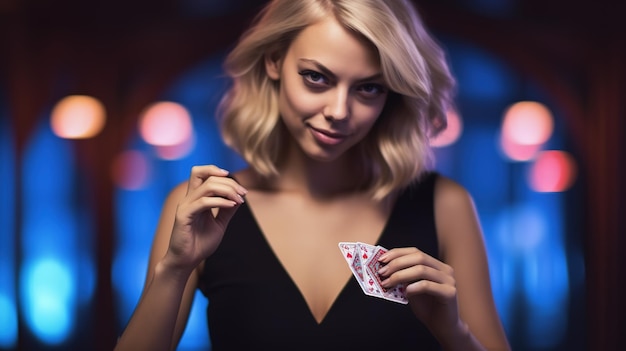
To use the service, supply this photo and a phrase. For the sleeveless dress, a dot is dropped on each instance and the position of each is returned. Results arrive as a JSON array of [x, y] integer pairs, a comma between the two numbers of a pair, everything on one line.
[[254, 303]]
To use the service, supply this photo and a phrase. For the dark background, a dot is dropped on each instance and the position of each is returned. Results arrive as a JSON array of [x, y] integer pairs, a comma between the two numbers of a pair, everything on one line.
[[126, 52]]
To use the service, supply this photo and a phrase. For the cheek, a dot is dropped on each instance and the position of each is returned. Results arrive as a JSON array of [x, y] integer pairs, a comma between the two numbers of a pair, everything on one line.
[[295, 101], [368, 115]]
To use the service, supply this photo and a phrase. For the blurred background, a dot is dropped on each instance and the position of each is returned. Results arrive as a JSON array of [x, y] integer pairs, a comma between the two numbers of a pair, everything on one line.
[[105, 106]]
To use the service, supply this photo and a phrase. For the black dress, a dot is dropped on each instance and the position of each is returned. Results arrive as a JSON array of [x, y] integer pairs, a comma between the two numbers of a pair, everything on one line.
[[254, 304]]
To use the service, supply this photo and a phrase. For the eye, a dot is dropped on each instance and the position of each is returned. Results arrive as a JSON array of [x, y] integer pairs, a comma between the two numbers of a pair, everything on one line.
[[313, 78], [372, 90]]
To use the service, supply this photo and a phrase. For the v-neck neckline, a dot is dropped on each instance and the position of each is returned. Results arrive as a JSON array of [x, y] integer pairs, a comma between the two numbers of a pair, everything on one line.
[[350, 280]]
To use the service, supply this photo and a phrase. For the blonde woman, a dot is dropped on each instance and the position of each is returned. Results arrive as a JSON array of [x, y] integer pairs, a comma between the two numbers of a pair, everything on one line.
[[332, 105]]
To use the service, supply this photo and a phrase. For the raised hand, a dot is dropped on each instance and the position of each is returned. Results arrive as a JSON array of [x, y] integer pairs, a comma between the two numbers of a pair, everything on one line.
[[202, 216], [430, 287]]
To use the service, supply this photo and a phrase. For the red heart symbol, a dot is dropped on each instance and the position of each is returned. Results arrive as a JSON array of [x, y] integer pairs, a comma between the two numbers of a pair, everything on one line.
[[349, 255], [371, 282], [364, 255]]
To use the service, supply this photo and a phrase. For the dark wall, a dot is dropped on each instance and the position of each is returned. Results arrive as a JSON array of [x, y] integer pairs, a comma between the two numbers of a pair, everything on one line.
[[125, 52]]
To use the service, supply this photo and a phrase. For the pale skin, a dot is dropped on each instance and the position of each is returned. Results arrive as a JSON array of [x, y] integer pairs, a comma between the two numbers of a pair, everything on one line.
[[332, 92]]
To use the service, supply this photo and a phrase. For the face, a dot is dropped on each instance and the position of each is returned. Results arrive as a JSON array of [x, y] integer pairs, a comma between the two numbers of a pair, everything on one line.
[[331, 89]]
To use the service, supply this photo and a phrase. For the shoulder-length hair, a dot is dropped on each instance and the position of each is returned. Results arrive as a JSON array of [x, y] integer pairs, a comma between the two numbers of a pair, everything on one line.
[[396, 151]]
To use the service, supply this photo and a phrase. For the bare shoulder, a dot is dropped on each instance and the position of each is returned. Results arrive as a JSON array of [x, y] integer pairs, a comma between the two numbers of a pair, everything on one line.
[[455, 216], [451, 196]]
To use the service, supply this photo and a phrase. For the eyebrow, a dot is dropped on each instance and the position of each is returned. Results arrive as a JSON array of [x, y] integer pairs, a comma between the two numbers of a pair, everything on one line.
[[330, 73]]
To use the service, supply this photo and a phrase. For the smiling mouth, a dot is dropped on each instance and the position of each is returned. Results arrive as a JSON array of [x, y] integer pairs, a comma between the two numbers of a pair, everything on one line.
[[326, 137]]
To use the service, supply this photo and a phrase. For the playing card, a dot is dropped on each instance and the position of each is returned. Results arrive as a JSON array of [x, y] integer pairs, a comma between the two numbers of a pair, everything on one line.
[[351, 255], [362, 259], [373, 264]]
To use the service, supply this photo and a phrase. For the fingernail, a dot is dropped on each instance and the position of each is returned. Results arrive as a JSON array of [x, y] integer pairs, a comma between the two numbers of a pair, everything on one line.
[[382, 271]]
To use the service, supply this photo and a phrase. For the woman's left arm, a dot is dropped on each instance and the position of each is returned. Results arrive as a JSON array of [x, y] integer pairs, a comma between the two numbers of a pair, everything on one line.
[[462, 247], [451, 296]]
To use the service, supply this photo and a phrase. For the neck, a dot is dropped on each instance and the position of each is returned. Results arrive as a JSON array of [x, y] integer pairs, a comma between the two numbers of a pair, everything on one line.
[[319, 179]]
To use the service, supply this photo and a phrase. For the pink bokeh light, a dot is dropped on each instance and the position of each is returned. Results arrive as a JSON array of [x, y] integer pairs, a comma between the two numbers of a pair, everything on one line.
[[451, 134], [552, 171], [130, 170], [165, 124]]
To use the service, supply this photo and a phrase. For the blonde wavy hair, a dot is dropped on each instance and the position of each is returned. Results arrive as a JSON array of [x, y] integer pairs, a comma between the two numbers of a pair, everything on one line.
[[396, 151]]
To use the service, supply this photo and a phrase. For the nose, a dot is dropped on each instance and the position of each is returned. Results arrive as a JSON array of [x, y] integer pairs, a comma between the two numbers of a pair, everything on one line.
[[338, 107]]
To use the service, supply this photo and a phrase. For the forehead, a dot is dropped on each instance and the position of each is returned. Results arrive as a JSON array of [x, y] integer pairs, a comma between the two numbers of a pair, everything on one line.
[[335, 47]]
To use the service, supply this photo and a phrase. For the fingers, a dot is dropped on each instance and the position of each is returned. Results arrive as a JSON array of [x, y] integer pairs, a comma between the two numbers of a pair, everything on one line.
[[443, 291], [410, 266], [199, 175], [415, 273], [211, 181], [400, 258]]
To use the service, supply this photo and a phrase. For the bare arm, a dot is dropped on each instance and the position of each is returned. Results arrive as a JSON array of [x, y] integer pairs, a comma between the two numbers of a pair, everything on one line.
[[452, 296], [462, 247], [188, 231]]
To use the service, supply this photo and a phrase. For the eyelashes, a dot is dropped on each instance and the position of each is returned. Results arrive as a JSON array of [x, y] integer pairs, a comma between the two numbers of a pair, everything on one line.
[[319, 82], [314, 78]]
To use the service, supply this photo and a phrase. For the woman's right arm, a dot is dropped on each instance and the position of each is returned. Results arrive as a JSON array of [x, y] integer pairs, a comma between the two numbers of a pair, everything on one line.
[[192, 223]]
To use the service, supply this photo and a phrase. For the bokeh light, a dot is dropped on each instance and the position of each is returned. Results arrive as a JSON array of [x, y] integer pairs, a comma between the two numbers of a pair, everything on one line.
[[55, 234], [518, 152], [78, 117], [552, 171], [527, 123], [49, 292], [8, 218], [175, 152], [8, 322], [526, 126], [130, 170], [451, 134], [165, 124]]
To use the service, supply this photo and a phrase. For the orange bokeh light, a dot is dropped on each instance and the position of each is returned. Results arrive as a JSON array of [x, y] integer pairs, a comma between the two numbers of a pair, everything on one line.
[[553, 171], [78, 117], [165, 124]]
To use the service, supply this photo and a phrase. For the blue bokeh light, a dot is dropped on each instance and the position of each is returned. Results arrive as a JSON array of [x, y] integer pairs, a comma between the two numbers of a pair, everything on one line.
[[530, 267], [8, 309], [481, 77], [54, 262], [49, 291], [8, 322]]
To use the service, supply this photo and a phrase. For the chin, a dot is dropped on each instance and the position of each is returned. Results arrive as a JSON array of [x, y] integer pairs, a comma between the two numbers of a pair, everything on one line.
[[321, 155]]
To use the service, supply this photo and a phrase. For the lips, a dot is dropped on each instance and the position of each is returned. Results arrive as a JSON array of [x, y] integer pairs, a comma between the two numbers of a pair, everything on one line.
[[327, 137]]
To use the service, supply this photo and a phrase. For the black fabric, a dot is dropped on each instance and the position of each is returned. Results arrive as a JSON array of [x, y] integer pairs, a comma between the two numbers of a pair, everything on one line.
[[254, 304]]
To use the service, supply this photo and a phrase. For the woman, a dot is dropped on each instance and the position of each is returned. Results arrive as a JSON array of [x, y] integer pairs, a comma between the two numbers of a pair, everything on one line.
[[332, 105]]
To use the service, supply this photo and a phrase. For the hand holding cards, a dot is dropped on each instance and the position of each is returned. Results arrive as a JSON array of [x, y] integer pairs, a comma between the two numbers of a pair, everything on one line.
[[363, 262]]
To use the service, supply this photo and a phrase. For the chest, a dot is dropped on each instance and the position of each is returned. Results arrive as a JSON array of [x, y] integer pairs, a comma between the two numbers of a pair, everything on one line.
[[310, 298], [304, 237]]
